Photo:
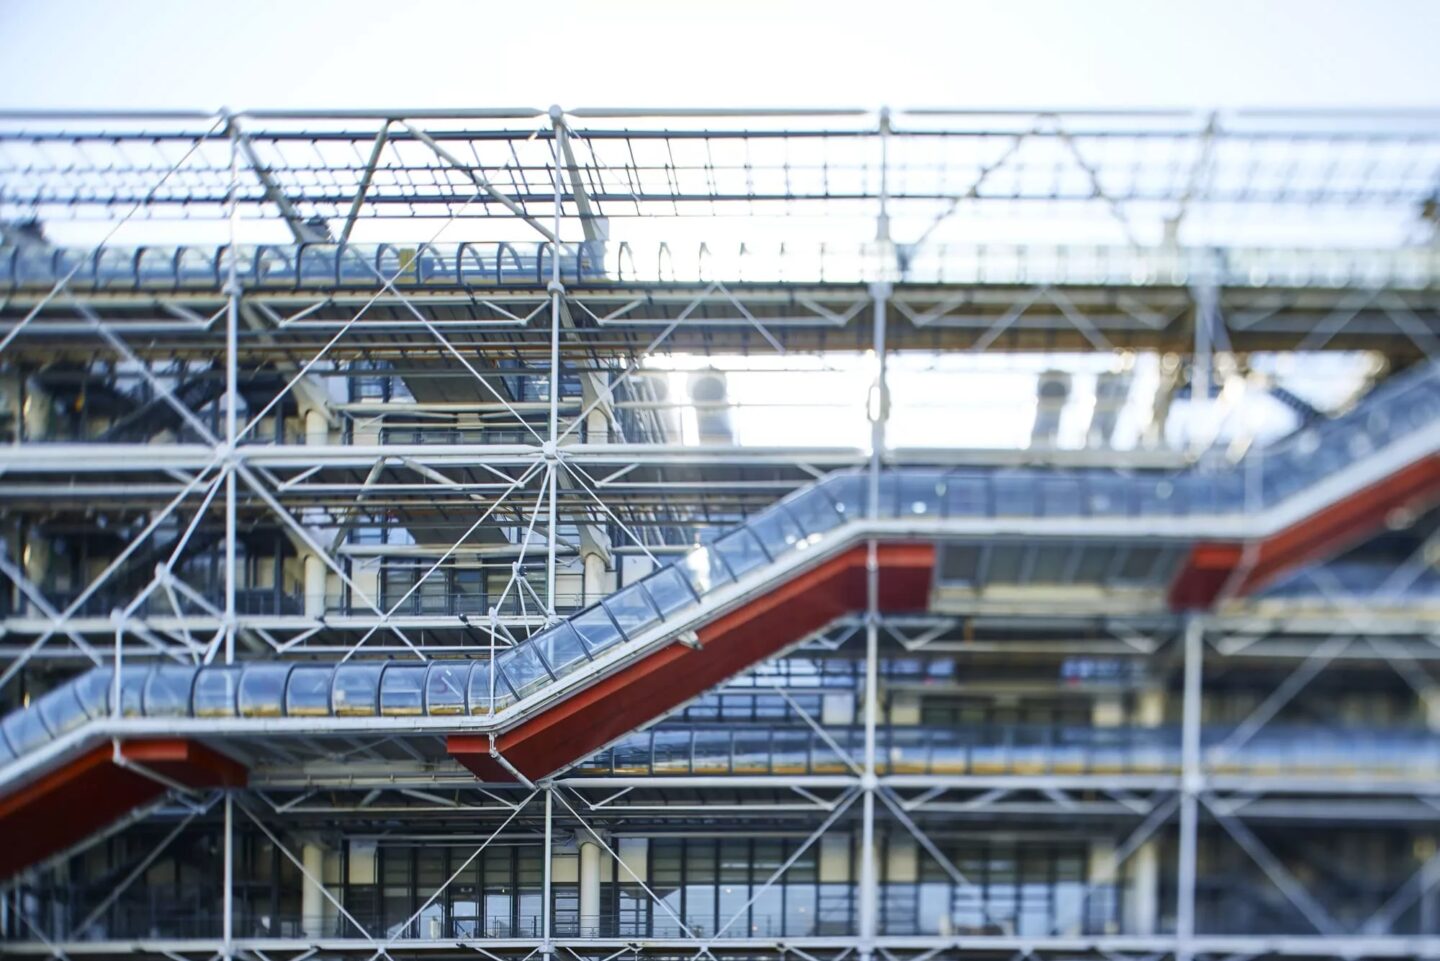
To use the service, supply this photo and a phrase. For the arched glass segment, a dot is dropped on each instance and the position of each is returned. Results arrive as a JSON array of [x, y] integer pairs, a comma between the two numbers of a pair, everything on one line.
[[445, 687], [167, 692], [262, 690], [594, 626], [357, 690], [308, 693], [631, 609], [402, 691], [215, 692]]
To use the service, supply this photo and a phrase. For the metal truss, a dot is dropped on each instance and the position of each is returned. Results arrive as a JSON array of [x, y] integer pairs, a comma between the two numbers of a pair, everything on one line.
[[469, 247]]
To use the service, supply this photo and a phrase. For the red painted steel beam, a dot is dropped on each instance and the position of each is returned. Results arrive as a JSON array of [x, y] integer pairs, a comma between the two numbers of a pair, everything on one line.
[[668, 677], [68, 804], [1323, 534]]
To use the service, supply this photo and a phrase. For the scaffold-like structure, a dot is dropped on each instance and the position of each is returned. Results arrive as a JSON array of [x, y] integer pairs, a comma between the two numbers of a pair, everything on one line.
[[622, 534]]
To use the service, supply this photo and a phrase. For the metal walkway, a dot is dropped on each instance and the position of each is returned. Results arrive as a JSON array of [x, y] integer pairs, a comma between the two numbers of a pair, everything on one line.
[[556, 697]]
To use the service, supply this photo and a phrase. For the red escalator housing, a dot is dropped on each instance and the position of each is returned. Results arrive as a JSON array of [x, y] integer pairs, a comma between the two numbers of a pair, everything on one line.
[[63, 807], [668, 677], [1323, 534]]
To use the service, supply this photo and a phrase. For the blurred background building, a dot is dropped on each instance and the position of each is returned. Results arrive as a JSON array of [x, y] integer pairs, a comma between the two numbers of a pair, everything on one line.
[[659, 535]]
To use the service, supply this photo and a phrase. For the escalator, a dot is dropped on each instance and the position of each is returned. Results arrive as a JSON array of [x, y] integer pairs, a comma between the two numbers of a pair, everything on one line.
[[590, 679]]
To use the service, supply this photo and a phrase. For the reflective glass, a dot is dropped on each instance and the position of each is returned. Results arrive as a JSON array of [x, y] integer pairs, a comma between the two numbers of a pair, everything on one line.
[[1198, 497], [850, 492], [741, 552], [1107, 495], [402, 690], [356, 689], [521, 666], [445, 687], [262, 690], [920, 493], [25, 731], [777, 531], [814, 511], [61, 710], [1060, 497], [6, 754], [1158, 497], [670, 591], [480, 690], [132, 687], [631, 608], [92, 690], [594, 626], [1014, 495], [214, 693], [308, 693], [167, 694], [967, 495], [704, 570]]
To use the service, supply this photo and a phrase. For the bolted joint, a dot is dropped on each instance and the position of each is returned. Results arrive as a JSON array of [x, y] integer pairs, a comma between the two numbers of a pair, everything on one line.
[[869, 781], [556, 288], [689, 639], [881, 289], [232, 289], [549, 450], [557, 114]]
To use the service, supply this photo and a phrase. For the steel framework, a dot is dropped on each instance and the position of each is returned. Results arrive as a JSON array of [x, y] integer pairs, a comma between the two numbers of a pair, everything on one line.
[[350, 344]]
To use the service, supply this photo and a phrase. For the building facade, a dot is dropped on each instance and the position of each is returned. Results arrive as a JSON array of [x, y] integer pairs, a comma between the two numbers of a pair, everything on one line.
[[609, 533]]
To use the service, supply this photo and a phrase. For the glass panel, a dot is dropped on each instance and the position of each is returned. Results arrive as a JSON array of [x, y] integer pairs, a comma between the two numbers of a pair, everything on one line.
[[850, 491], [1158, 497], [168, 692], [262, 690], [1015, 495], [92, 690], [132, 686], [632, 610], [921, 493], [214, 694], [356, 689], [1108, 495], [1196, 492], [445, 688], [469, 591], [402, 690], [741, 552], [967, 495], [61, 710], [308, 693], [6, 753], [480, 690], [669, 590], [777, 531], [704, 570], [562, 650], [25, 731], [814, 511], [1060, 497], [521, 666]]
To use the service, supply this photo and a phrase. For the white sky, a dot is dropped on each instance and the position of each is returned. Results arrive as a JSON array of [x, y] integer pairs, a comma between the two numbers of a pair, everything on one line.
[[289, 53]]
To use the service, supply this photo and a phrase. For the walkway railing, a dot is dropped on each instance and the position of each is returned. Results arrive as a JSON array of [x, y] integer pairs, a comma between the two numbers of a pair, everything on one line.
[[328, 266], [666, 601]]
